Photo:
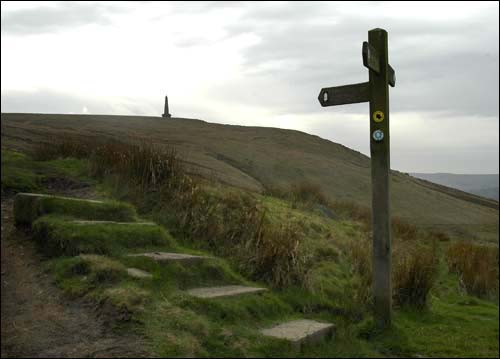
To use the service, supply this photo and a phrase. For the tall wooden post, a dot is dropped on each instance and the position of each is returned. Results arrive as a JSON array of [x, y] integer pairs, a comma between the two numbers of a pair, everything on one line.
[[376, 91], [380, 166]]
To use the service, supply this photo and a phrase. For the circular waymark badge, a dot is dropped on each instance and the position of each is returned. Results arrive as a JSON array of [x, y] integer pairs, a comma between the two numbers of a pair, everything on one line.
[[378, 135], [378, 116]]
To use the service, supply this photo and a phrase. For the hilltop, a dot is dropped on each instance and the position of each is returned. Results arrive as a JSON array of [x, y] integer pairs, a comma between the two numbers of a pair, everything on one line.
[[259, 158], [269, 254]]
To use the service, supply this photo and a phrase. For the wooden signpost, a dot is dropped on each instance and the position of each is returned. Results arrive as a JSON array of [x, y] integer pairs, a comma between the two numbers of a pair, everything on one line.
[[376, 91]]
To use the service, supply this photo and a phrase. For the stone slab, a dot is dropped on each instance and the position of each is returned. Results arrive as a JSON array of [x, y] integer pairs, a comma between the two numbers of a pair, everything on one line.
[[58, 197], [29, 206], [113, 222], [165, 257], [224, 291], [138, 273], [301, 331]]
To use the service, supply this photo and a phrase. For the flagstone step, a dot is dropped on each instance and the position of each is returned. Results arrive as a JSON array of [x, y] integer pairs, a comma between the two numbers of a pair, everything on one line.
[[301, 331], [224, 291], [113, 222], [165, 257], [42, 195], [138, 273], [30, 206]]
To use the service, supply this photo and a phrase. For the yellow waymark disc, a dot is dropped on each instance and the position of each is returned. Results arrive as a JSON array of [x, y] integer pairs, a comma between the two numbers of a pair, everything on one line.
[[378, 116]]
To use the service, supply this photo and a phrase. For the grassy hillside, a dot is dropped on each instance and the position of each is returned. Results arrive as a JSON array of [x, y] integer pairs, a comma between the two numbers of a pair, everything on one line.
[[257, 158], [455, 313]]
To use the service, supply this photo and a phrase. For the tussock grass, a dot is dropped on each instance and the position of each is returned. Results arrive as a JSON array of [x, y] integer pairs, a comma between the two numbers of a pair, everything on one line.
[[142, 163], [79, 275], [125, 300], [403, 230], [236, 226], [277, 257], [307, 192], [438, 236], [477, 266], [414, 270], [69, 147]]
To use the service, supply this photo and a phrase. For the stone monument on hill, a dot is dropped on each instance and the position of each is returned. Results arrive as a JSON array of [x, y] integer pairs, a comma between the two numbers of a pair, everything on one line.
[[166, 113]]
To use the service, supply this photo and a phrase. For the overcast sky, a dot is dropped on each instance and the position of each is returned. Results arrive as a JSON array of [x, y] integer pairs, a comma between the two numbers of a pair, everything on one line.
[[263, 64]]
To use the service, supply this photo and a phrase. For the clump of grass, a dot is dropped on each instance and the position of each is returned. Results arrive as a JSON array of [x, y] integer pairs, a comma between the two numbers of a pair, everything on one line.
[[414, 275], [360, 255], [78, 275], [102, 269], [438, 236], [143, 164], [125, 300], [403, 230], [236, 226], [140, 162], [477, 266], [307, 193], [71, 146], [182, 335], [414, 270], [276, 255], [353, 211]]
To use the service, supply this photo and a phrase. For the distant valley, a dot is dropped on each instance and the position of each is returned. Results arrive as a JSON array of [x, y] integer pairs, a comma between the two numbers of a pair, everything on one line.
[[481, 185]]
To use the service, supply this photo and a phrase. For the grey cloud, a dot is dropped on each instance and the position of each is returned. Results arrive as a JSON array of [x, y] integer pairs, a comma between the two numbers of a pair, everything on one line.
[[192, 41], [63, 15], [51, 101], [440, 66]]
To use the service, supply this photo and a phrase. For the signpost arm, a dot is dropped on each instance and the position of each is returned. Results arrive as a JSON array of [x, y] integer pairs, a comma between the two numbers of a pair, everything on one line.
[[380, 167]]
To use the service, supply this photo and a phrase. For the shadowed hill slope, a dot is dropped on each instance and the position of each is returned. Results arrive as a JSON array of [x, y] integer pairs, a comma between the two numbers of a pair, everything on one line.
[[255, 158]]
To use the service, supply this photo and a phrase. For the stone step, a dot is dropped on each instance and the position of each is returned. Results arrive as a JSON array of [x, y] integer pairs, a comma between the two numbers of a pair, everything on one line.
[[29, 206], [113, 222], [301, 331], [138, 273], [165, 257], [224, 291], [42, 195]]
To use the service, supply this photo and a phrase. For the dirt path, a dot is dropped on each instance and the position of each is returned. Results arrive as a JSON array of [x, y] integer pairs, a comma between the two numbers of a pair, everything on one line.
[[37, 321]]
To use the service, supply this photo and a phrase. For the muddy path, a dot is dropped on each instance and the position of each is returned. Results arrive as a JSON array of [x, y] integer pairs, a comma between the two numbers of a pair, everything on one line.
[[37, 320]]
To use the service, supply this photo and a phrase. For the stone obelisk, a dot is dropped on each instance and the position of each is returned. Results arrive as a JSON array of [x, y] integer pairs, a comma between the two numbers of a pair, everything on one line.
[[166, 113]]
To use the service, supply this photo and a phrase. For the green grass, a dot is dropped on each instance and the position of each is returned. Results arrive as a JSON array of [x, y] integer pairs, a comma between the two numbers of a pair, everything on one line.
[[27, 208], [175, 324], [20, 173], [452, 327], [59, 236], [79, 275]]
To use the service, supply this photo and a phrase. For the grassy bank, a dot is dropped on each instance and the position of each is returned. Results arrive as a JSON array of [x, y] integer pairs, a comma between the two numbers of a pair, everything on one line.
[[305, 249]]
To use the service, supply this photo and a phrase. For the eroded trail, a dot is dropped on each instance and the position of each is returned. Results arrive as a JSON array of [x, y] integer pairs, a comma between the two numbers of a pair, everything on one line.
[[37, 320]]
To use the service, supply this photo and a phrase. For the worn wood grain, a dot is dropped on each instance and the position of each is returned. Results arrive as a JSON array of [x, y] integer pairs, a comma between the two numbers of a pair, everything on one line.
[[380, 166], [342, 95], [371, 59]]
